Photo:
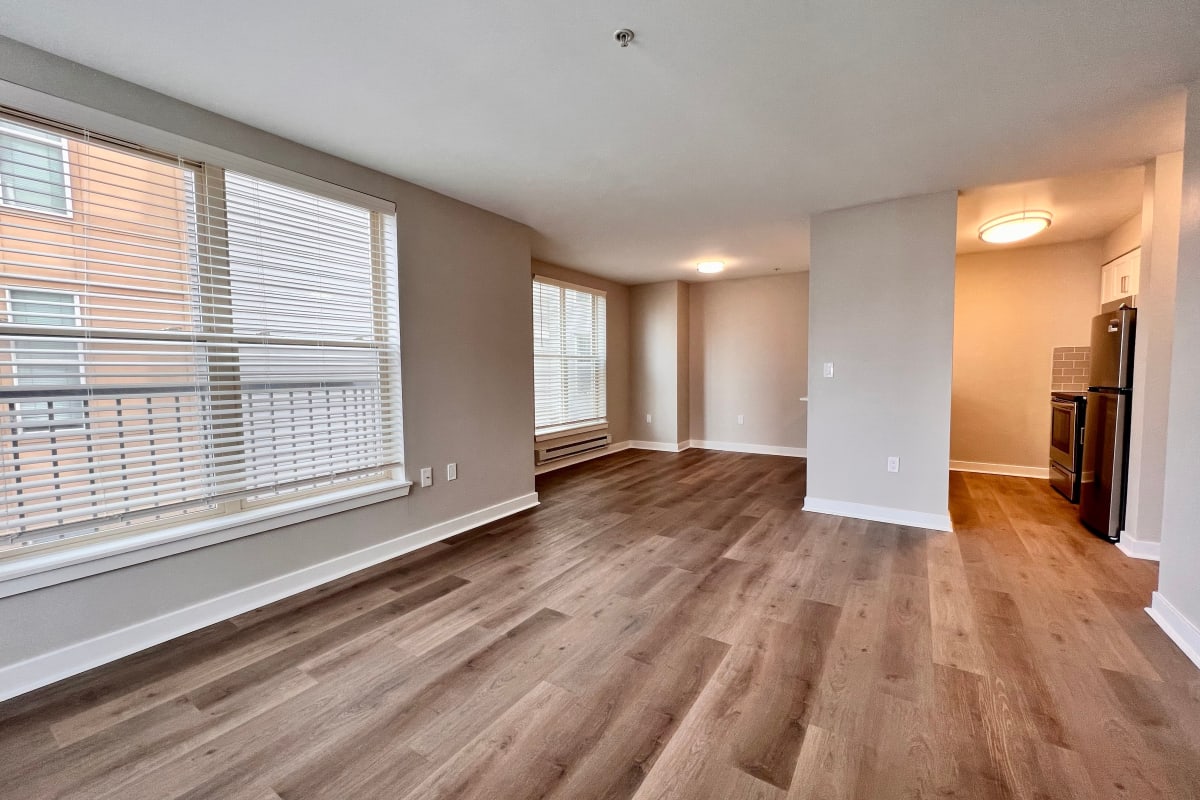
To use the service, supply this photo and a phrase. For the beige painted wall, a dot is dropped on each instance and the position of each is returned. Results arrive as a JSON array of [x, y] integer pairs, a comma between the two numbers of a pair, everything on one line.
[[1011, 309], [1153, 346], [465, 328], [617, 343], [882, 310], [1181, 502], [749, 357], [657, 379], [1125, 237]]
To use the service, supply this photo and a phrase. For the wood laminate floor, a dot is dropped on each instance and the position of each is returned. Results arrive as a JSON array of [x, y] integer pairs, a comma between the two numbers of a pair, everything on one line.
[[663, 625]]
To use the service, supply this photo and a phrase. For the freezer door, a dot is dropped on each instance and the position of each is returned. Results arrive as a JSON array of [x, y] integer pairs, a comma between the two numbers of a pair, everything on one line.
[[1112, 349], [1105, 464]]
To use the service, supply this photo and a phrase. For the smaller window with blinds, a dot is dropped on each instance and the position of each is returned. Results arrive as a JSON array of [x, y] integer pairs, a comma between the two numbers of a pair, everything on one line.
[[569, 358]]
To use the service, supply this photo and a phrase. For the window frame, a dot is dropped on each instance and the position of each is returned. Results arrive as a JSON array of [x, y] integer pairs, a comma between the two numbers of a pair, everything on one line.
[[41, 135], [117, 544], [577, 426]]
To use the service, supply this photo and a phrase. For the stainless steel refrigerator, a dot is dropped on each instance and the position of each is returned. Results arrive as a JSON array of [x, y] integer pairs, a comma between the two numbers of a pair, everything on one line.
[[1106, 427]]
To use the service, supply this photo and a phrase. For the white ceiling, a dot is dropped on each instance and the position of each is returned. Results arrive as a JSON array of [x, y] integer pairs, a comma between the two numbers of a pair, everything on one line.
[[715, 135], [1084, 206]]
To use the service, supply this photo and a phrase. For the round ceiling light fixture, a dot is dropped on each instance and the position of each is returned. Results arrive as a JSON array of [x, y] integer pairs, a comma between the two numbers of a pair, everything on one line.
[[1015, 227], [710, 267]]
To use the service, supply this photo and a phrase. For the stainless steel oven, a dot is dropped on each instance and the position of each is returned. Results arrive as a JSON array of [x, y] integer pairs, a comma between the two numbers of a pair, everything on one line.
[[1064, 433], [1066, 442]]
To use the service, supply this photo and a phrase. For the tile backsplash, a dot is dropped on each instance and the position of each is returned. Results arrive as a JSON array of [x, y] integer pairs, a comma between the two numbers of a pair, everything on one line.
[[1070, 370]]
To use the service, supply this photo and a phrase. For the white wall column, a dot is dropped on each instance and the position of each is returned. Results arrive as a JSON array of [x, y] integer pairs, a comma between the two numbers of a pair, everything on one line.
[[1176, 604], [882, 313], [1152, 356]]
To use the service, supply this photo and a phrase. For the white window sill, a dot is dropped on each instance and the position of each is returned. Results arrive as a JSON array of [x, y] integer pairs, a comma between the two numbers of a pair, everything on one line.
[[570, 430], [46, 568]]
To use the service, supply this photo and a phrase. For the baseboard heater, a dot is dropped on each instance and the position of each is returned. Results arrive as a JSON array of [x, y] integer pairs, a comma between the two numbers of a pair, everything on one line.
[[554, 452]]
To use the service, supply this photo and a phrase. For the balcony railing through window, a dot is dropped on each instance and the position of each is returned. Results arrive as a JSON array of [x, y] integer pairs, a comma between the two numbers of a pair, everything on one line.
[[126, 451]]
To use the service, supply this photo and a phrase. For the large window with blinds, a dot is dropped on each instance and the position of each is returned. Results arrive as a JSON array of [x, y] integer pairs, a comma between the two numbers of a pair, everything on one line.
[[179, 340], [569, 359]]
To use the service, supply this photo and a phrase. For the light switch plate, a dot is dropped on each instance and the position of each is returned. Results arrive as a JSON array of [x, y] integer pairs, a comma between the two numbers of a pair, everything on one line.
[[426, 476], [452, 472], [828, 369]]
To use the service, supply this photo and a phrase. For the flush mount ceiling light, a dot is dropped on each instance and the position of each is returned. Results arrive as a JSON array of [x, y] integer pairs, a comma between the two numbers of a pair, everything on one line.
[[1015, 227], [710, 267]]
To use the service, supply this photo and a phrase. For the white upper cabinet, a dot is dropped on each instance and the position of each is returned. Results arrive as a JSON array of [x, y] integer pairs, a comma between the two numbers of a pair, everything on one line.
[[1119, 277]]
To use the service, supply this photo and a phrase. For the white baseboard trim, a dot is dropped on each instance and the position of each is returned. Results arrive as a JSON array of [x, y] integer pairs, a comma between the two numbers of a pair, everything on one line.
[[760, 449], [896, 516], [579, 459], [42, 670], [1183, 631], [663, 447], [1137, 548], [1015, 470]]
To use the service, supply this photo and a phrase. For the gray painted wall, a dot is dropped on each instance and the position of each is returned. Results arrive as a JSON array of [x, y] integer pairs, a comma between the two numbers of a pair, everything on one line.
[[1181, 500], [695, 356], [882, 310], [683, 384], [467, 365], [749, 357], [657, 380]]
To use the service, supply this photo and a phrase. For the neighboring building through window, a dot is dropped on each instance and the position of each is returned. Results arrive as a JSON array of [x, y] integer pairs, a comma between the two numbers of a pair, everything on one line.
[[33, 170], [569, 358]]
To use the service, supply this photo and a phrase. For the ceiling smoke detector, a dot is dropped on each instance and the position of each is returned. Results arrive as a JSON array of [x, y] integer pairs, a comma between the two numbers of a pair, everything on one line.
[[623, 37]]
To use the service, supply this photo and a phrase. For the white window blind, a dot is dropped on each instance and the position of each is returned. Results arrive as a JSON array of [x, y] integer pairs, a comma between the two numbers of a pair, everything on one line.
[[569, 359], [188, 340]]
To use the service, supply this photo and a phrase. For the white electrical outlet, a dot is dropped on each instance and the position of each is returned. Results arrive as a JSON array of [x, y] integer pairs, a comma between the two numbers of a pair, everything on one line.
[[828, 369], [426, 476], [893, 463], [452, 472], [741, 420], [648, 418]]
